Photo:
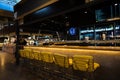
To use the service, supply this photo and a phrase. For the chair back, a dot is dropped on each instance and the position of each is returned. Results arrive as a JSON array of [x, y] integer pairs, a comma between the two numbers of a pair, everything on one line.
[[83, 63], [37, 55], [47, 57], [22, 53], [61, 60]]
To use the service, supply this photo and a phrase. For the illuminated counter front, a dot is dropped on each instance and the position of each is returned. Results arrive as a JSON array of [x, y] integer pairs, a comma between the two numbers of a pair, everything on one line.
[[71, 50], [103, 57], [109, 60]]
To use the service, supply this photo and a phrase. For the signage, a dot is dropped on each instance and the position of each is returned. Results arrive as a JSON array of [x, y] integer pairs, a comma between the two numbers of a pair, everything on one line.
[[72, 31], [100, 30]]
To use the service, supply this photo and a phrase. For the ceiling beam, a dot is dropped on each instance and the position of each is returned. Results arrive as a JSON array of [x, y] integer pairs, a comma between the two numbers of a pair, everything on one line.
[[6, 13], [30, 6]]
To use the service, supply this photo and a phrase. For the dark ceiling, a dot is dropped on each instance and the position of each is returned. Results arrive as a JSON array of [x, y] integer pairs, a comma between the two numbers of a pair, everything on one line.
[[63, 15]]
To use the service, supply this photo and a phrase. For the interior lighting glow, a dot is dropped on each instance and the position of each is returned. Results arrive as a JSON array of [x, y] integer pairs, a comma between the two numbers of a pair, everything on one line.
[[72, 31], [99, 30], [44, 10], [113, 19], [85, 12], [115, 4]]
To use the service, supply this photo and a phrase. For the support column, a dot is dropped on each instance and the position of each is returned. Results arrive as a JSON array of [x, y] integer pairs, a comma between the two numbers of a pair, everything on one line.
[[17, 55], [94, 35], [79, 34], [114, 32]]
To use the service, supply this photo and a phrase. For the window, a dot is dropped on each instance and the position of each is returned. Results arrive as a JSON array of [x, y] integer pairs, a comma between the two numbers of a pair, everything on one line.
[[8, 4]]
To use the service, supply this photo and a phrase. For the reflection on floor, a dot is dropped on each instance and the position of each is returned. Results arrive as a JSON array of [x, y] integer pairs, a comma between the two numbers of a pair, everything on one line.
[[109, 70], [9, 71]]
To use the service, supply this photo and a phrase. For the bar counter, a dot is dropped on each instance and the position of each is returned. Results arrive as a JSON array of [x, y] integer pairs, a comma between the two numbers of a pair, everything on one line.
[[109, 48], [71, 50], [107, 57]]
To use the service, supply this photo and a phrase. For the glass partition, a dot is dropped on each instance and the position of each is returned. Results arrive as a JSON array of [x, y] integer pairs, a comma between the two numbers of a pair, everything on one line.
[[101, 34], [104, 32], [87, 32], [117, 30]]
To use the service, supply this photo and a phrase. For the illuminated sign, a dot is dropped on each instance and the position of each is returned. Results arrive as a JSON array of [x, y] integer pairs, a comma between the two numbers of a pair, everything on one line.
[[99, 30], [72, 31]]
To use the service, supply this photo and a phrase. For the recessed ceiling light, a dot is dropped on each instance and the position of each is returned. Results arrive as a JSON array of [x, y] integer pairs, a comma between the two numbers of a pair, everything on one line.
[[115, 4], [85, 12]]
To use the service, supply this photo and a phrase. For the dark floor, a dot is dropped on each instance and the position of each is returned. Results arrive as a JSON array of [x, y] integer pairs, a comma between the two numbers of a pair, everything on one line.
[[109, 70], [9, 71]]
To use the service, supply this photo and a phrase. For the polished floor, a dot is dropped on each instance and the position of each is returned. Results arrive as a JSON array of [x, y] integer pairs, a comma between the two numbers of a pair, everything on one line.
[[10, 71], [109, 60], [109, 69]]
